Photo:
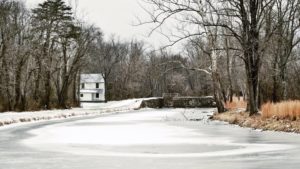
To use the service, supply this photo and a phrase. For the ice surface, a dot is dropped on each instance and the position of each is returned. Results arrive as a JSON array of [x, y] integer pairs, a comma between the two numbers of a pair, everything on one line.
[[147, 129]]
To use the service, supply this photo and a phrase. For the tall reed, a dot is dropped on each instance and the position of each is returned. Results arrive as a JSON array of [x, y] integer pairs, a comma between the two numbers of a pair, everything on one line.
[[283, 110]]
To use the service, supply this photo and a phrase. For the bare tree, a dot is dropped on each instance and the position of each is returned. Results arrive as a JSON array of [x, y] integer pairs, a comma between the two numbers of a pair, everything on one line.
[[284, 42], [247, 18]]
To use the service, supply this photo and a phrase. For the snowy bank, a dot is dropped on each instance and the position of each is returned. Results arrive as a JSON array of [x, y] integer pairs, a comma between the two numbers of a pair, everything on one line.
[[114, 106], [243, 119]]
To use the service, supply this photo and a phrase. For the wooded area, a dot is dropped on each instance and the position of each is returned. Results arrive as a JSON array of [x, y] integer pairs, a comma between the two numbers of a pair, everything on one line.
[[260, 35], [246, 48]]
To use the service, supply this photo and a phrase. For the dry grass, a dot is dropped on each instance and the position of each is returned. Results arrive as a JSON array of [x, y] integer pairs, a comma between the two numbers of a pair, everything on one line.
[[283, 110], [257, 122], [236, 104]]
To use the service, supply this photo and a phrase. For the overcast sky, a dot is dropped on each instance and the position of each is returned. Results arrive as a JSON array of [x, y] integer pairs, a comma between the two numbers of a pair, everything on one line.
[[115, 17]]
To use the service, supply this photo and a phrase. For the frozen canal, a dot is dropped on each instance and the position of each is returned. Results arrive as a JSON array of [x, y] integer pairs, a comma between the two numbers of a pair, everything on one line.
[[145, 139]]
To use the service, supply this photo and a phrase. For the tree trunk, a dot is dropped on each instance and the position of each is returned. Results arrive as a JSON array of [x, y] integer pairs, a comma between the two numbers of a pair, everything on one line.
[[275, 97], [6, 76], [63, 93], [38, 77], [229, 71], [105, 89], [250, 34], [252, 80], [62, 98], [75, 88], [216, 83], [47, 90], [217, 93], [283, 81], [18, 85]]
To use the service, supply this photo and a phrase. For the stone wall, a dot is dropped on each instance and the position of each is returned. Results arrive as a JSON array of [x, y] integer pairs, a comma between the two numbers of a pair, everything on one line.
[[168, 99], [180, 102], [153, 103], [193, 102]]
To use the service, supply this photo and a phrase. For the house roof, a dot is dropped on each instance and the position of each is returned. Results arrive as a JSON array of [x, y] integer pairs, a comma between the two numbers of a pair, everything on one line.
[[91, 78]]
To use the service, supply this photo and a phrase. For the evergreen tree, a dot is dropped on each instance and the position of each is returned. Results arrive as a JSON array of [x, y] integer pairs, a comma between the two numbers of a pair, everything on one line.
[[53, 22]]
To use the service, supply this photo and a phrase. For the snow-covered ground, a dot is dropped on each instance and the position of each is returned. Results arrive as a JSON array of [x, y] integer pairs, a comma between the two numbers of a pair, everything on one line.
[[88, 109]]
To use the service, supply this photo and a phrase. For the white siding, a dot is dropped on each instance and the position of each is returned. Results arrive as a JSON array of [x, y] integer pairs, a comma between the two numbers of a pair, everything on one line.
[[86, 97], [101, 86], [101, 97], [88, 87], [92, 96], [92, 86]]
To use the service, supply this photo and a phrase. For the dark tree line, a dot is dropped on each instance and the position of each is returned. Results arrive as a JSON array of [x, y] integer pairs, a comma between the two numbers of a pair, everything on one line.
[[42, 52], [131, 71], [243, 48]]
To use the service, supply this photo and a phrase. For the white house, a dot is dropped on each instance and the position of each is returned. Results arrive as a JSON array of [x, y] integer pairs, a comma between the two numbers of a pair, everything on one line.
[[92, 89]]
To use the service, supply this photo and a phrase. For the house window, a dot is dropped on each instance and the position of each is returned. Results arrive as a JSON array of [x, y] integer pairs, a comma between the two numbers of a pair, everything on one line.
[[81, 95], [97, 85], [97, 95], [82, 85]]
